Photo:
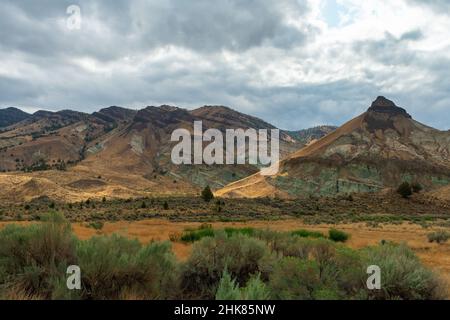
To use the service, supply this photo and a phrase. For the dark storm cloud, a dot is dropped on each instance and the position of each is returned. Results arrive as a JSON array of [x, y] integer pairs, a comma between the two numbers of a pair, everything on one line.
[[34, 34], [114, 28], [196, 52]]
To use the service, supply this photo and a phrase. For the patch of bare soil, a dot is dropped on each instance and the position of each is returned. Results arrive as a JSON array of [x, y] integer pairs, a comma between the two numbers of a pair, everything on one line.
[[87, 184]]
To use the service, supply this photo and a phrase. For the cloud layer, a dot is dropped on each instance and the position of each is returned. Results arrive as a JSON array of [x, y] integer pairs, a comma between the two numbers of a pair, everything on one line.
[[285, 61]]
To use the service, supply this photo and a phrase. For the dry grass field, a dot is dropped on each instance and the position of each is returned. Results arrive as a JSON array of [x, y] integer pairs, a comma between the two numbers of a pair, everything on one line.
[[436, 256]]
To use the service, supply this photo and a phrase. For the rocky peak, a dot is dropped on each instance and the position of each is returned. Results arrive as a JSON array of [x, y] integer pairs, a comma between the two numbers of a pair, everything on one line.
[[386, 106]]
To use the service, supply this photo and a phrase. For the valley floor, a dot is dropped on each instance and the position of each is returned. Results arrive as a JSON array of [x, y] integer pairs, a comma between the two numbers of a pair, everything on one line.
[[436, 256]]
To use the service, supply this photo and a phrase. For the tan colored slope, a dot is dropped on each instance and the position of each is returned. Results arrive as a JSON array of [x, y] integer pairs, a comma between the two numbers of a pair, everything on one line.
[[257, 186], [441, 193], [81, 183], [321, 144]]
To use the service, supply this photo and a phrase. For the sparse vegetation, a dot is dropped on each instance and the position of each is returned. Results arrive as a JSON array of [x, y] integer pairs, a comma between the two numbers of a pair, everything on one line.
[[404, 277], [405, 190], [97, 225], [338, 236], [438, 237], [331, 211], [253, 265], [255, 289], [416, 187], [307, 234], [197, 234]]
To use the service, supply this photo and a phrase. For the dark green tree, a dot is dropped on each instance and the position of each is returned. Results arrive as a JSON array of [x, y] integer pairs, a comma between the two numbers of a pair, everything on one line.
[[405, 190], [207, 194]]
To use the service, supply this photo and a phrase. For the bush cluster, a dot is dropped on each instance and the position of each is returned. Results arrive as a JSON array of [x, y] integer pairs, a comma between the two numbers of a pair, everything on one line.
[[438, 237], [235, 264]]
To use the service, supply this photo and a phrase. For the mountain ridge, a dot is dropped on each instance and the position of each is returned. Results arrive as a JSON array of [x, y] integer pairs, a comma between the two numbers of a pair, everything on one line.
[[64, 153], [376, 150]]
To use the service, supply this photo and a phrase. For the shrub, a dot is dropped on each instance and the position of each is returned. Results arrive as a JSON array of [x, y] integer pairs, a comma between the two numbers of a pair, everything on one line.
[[207, 194], [166, 205], [438, 237], [403, 275], [175, 236], [323, 253], [206, 230], [113, 266], [244, 231], [33, 257], [307, 234], [289, 246], [240, 255], [97, 225], [294, 279], [348, 272], [196, 235], [338, 236], [416, 187], [254, 290], [405, 190], [228, 289]]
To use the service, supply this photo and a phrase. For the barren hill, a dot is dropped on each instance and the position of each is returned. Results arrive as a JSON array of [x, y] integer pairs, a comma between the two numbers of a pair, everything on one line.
[[378, 149], [115, 152]]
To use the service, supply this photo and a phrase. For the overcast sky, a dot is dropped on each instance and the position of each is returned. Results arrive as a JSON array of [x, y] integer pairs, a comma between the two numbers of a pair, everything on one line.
[[294, 63]]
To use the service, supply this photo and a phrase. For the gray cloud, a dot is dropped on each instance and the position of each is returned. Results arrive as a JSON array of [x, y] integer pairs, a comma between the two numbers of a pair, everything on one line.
[[114, 28], [390, 50], [440, 6], [191, 53]]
